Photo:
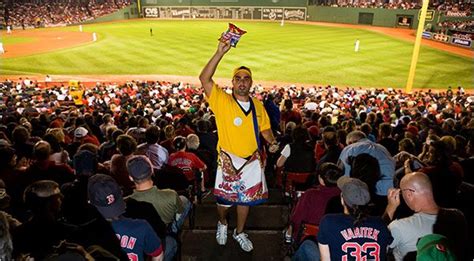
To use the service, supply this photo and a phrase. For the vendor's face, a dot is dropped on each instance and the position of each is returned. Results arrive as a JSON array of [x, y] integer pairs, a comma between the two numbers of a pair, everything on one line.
[[242, 82]]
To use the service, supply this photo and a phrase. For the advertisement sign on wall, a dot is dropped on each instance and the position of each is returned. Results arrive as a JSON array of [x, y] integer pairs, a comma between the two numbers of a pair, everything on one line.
[[461, 42], [429, 15], [150, 12], [272, 13], [295, 14], [427, 35], [220, 12], [441, 37]]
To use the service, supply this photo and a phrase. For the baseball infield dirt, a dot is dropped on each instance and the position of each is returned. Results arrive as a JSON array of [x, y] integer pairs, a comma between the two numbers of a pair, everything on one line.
[[44, 41]]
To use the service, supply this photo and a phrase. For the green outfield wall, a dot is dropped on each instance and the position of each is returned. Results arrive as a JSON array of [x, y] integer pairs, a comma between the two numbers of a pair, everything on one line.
[[369, 16]]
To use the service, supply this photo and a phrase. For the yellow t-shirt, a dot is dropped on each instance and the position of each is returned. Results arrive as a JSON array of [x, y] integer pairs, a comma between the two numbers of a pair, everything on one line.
[[235, 128]]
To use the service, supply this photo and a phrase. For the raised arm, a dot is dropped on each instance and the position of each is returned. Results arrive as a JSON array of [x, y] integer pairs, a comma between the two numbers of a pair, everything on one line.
[[206, 74]]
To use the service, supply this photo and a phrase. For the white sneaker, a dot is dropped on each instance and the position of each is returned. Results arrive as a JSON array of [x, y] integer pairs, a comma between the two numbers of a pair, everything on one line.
[[243, 240], [221, 234]]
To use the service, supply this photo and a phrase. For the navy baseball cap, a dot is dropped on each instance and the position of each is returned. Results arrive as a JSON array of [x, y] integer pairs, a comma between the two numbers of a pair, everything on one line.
[[105, 194]]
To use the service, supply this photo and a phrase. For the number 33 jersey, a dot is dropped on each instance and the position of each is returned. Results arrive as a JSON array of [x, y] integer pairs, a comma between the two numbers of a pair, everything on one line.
[[366, 241]]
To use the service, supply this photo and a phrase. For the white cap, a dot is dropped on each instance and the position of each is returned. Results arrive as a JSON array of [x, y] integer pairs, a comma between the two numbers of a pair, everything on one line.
[[80, 132]]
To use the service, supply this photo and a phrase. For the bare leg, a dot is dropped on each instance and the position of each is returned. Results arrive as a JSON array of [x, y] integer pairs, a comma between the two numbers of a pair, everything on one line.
[[242, 213], [222, 214]]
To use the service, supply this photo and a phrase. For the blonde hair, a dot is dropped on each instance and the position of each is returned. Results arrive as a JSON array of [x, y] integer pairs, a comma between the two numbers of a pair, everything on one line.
[[57, 133], [192, 141]]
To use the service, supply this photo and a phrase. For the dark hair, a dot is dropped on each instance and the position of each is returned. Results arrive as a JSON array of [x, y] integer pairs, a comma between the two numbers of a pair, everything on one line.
[[440, 155], [179, 142], [116, 134], [360, 213], [39, 196], [385, 129], [126, 144], [408, 145], [152, 134], [203, 126], [330, 138], [330, 173], [300, 135], [6, 155], [20, 135], [53, 141], [366, 128], [366, 168]]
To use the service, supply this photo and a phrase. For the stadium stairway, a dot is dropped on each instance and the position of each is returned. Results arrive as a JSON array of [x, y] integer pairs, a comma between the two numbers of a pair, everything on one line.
[[265, 224]]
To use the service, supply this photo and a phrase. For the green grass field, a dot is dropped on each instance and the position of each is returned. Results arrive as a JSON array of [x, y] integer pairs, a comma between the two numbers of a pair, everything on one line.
[[292, 53]]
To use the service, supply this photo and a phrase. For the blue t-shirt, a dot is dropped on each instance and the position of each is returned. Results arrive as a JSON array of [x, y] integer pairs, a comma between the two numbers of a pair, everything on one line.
[[368, 240], [137, 238]]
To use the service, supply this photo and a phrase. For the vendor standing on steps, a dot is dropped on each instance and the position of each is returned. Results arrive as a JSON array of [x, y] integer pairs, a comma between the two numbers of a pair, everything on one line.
[[240, 120]]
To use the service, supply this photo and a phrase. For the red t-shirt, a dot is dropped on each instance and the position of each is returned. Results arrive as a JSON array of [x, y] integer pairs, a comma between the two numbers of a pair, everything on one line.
[[188, 162]]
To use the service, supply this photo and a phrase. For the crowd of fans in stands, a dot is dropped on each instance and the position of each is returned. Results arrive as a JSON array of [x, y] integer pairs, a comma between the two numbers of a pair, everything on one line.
[[44, 138], [449, 8], [56, 13], [464, 27], [454, 9]]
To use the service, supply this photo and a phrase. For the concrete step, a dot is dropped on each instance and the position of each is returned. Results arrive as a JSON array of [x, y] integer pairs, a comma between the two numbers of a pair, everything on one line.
[[262, 217], [201, 245]]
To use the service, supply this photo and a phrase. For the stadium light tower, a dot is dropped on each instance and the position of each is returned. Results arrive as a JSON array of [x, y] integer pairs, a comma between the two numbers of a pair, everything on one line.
[[416, 48]]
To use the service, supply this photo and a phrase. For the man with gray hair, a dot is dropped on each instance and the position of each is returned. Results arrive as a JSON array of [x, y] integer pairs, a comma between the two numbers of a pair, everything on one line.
[[357, 143]]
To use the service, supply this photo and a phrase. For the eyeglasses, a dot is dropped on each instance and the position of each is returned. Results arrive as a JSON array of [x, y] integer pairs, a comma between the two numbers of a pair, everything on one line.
[[409, 189]]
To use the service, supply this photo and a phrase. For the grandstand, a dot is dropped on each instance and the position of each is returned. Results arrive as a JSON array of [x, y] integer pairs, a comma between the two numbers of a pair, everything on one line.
[[108, 76]]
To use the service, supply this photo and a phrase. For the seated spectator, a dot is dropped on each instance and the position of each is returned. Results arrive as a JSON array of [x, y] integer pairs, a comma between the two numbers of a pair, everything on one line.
[[126, 145], [445, 174], [42, 231], [58, 154], [188, 162], [157, 154], [298, 156], [424, 156], [338, 235], [137, 238], [357, 143], [332, 148], [43, 168], [313, 203], [172, 209], [429, 218], [468, 163], [22, 143], [108, 148], [367, 169], [386, 139], [406, 152], [91, 228]]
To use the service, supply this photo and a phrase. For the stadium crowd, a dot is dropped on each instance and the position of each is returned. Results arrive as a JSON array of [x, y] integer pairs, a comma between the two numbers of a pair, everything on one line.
[[69, 172], [57, 13], [449, 8]]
